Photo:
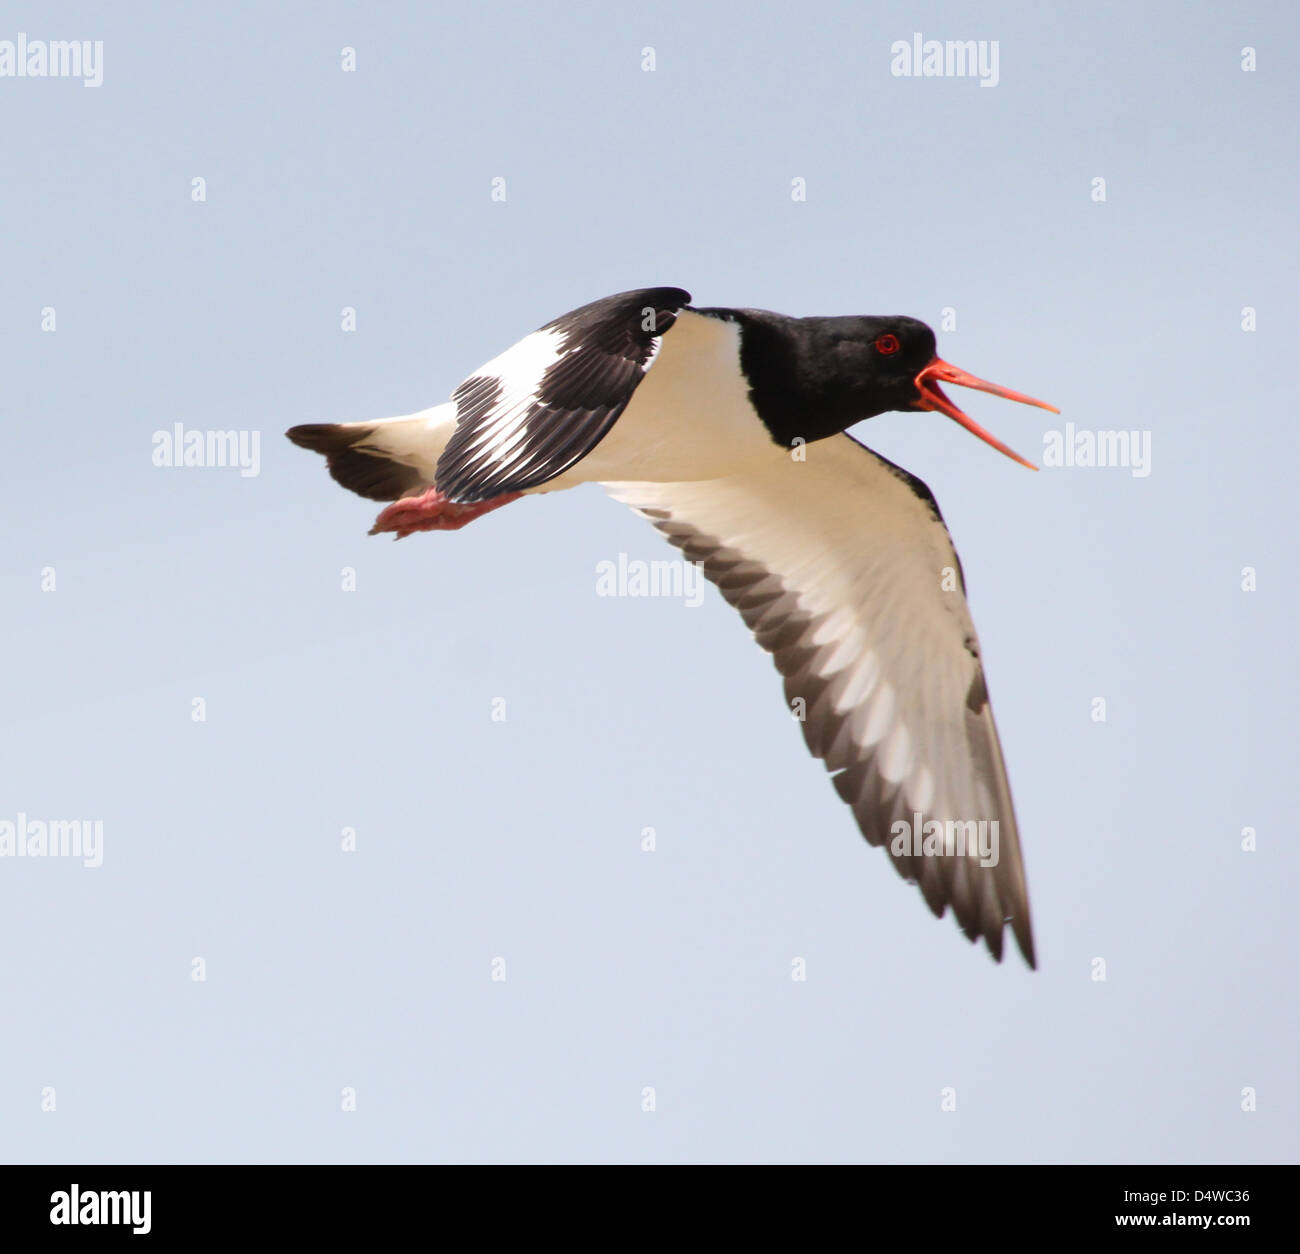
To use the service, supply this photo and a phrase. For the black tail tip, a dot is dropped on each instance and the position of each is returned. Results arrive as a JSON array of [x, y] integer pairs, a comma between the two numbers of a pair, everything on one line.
[[320, 437], [368, 471]]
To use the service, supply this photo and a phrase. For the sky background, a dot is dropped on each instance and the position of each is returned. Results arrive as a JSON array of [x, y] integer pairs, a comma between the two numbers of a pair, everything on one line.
[[372, 709]]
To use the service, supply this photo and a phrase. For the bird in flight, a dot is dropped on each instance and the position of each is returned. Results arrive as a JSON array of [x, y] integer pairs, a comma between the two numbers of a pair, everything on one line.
[[727, 429]]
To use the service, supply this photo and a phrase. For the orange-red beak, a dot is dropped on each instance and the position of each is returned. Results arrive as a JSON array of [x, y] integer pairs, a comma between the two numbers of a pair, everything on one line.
[[932, 397]]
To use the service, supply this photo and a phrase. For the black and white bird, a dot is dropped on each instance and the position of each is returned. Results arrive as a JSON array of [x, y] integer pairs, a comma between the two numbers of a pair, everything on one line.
[[726, 428]]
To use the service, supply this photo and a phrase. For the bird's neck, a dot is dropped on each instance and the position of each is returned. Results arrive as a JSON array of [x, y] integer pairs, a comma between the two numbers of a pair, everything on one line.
[[794, 386]]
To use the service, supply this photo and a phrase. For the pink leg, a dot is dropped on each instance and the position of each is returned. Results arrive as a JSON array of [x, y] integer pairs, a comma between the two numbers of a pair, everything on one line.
[[431, 511]]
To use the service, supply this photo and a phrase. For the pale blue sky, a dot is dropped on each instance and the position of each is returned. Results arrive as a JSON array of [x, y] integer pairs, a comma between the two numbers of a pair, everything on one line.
[[372, 709]]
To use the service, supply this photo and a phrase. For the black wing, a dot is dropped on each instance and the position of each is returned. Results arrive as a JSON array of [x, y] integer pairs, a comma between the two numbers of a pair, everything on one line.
[[530, 414]]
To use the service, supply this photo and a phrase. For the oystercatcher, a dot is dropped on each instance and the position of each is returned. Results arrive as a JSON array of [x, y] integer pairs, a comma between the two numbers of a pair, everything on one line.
[[727, 429]]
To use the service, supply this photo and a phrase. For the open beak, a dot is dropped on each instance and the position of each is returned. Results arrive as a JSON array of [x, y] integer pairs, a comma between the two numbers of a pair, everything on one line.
[[932, 397]]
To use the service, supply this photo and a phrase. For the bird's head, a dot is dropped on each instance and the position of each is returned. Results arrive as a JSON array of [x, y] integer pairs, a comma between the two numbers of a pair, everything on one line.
[[903, 371]]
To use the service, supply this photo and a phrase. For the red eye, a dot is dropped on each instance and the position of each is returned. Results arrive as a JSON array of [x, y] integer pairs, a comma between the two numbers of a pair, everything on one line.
[[887, 344]]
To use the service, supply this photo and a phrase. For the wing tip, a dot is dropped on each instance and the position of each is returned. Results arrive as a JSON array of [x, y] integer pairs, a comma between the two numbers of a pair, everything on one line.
[[1024, 940], [975, 929], [997, 951]]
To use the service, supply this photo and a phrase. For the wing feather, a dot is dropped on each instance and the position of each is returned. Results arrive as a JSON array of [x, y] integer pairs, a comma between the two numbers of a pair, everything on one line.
[[843, 569], [531, 413]]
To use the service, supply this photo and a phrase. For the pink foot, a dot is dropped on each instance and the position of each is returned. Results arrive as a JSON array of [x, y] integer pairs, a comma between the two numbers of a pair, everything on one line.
[[431, 511]]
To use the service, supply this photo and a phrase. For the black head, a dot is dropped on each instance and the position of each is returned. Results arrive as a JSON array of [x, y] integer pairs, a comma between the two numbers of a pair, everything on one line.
[[874, 360], [814, 377]]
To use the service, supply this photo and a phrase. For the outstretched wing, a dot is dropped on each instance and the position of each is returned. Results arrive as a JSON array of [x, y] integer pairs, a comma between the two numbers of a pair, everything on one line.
[[842, 567], [542, 405]]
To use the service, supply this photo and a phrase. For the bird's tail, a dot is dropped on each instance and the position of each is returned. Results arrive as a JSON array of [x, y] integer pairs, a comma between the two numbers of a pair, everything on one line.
[[383, 460]]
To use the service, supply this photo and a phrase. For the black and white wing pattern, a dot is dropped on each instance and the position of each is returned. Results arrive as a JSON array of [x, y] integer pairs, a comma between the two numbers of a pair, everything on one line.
[[842, 567], [531, 413]]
